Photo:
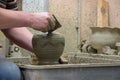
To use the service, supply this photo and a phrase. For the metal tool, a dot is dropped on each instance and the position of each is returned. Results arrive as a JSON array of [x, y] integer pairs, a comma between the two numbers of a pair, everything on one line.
[[57, 25]]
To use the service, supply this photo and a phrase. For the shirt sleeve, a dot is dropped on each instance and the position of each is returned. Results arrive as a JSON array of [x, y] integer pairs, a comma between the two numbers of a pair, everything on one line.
[[2, 3], [11, 4]]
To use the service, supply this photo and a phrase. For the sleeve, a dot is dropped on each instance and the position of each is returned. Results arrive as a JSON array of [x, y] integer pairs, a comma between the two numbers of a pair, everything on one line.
[[11, 4], [2, 3]]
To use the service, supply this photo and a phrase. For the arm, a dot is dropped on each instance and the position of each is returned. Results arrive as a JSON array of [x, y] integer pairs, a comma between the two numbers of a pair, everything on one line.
[[20, 36], [11, 22], [12, 19]]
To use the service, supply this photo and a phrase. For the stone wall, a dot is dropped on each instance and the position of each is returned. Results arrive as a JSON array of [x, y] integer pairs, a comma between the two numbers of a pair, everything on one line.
[[67, 13], [89, 16]]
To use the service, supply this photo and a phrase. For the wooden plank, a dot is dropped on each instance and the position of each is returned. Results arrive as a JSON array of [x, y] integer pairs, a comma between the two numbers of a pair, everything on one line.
[[103, 13]]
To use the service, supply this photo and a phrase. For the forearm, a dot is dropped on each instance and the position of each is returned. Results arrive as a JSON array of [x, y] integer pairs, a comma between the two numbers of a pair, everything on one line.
[[21, 36], [11, 19], [41, 21]]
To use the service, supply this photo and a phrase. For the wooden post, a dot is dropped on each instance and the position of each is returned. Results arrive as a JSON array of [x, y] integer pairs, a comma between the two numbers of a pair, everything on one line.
[[103, 13]]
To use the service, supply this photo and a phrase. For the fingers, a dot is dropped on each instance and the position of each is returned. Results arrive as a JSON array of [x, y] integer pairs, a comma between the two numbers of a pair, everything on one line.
[[50, 25], [43, 22]]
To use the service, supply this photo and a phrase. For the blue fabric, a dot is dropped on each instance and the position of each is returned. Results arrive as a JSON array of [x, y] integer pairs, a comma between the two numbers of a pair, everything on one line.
[[9, 70]]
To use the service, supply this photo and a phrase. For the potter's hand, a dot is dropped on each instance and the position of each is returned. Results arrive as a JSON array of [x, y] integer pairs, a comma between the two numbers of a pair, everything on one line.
[[42, 21]]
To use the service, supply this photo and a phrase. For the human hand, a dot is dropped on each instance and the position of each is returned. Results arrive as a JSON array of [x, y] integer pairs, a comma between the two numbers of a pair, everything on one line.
[[42, 21]]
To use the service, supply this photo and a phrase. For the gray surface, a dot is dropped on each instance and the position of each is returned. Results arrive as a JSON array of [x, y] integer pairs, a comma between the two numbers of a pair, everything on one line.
[[73, 72]]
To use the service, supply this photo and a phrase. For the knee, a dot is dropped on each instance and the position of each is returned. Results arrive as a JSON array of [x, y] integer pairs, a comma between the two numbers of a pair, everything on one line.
[[9, 71]]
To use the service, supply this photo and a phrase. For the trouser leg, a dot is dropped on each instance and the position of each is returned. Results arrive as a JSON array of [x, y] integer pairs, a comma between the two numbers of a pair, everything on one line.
[[9, 70]]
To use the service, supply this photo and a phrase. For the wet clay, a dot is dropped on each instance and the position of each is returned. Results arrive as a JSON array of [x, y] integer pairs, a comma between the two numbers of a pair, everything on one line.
[[48, 48]]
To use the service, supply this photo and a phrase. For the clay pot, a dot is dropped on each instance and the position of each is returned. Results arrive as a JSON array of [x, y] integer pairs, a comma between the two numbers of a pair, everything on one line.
[[48, 48], [104, 36]]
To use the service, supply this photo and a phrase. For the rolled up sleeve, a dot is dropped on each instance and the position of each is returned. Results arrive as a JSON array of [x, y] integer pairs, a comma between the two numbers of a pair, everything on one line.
[[11, 4]]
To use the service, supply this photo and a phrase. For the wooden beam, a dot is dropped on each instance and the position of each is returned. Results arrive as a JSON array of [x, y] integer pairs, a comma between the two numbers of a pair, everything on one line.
[[103, 13]]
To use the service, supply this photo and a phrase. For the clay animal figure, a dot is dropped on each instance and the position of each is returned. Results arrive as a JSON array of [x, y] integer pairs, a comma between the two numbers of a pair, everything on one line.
[[109, 51], [86, 47]]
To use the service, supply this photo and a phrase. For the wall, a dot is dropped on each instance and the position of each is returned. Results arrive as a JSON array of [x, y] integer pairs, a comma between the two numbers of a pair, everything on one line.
[[114, 6], [67, 13], [89, 16], [35, 5]]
